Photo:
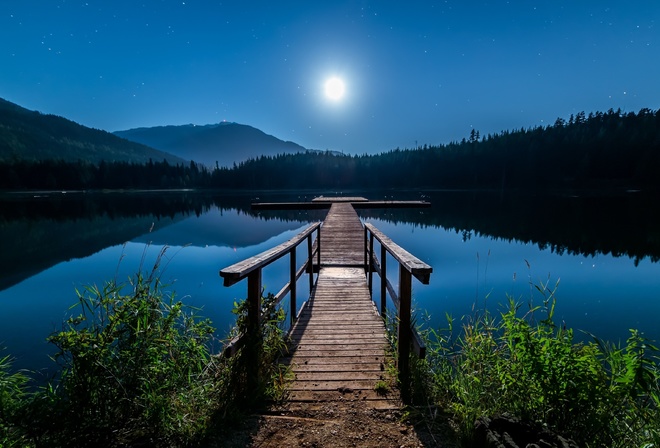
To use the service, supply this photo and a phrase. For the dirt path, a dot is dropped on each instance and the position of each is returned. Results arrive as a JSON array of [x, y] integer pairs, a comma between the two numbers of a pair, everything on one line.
[[334, 424]]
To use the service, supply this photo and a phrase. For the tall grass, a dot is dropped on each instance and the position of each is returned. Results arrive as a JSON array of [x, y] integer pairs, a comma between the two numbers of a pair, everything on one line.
[[597, 393], [13, 386], [136, 368]]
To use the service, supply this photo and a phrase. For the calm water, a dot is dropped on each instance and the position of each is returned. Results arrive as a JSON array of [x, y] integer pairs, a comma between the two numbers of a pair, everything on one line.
[[482, 247]]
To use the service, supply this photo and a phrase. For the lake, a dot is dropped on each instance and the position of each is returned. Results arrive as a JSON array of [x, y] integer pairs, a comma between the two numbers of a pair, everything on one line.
[[483, 247]]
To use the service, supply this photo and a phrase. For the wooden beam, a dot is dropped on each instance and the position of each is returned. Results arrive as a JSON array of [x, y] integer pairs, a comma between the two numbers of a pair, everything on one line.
[[420, 270], [405, 296], [237, 272]]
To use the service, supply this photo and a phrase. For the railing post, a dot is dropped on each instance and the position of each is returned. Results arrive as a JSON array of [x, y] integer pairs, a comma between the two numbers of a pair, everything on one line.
[[293, 282], [371, 265], [318, 247], [383, 281], [254, 299], [405, 296], [253, 344], [310, 259], [366, 251]]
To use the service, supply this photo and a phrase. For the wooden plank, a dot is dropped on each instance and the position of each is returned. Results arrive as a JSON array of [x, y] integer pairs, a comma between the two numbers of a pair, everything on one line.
[[341, 358], [333, 199], [342, 238], [340, 367], [338, 343], [371, 398], [341, 375], [332, 385], [323, 203]]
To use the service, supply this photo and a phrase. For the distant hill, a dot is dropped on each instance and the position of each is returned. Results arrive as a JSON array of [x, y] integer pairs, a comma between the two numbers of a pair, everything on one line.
[[224, 143], [30, 135]]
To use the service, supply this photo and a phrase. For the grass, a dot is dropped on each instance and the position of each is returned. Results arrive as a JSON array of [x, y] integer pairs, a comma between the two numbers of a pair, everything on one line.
[[382, 387], [596, 393], [136, 368]]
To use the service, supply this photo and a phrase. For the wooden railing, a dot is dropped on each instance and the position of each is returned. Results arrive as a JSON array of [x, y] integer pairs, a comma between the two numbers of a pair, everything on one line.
[[251, 269], [409, 266]]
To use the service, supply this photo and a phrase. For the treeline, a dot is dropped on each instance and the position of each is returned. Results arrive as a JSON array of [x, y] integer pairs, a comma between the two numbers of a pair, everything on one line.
[[80, 175], [609, 149], [601, 150], [31, 135]]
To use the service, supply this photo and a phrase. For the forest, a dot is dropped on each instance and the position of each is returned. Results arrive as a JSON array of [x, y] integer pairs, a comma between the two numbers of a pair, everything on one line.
[[602, 150]]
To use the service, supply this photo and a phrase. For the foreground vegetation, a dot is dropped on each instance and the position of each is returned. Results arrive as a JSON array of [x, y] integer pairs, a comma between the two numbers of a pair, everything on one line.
[[596, 393], [137, 369]]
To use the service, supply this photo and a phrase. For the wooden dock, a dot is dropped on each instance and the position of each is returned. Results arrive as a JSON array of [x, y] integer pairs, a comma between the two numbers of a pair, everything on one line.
[[323, 202], [339, 346], [338, 349]]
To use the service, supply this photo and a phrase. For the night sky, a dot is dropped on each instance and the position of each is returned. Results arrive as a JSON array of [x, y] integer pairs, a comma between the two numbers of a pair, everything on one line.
[[413, 72]]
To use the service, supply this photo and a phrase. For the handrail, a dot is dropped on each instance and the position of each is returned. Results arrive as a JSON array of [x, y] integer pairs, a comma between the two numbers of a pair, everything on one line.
[[238, 271], [250, 268], [409, 266], [420, 270]]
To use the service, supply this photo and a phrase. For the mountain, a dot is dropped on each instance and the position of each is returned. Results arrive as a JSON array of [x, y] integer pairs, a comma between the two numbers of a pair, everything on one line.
[[31, 135], [224, 143]]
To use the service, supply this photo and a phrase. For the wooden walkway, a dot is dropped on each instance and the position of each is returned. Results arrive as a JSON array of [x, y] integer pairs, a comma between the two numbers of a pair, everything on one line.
[[338, 350]]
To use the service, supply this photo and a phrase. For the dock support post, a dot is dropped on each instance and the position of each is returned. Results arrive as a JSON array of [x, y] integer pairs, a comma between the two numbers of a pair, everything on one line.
[[405, 298], [366, 250], [310, 262], [318, 247], [293, 282], [371, 265], [253, 344], [383, 282]]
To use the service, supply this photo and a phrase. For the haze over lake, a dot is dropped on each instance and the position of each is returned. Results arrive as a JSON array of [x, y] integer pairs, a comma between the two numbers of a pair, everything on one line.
[[482, 246]]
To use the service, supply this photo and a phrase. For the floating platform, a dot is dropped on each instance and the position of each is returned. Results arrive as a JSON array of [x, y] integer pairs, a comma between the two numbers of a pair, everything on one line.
[[323, 202]]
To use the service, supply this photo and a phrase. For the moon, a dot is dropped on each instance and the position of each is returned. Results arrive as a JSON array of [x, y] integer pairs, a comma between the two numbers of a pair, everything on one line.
[[334, 89]]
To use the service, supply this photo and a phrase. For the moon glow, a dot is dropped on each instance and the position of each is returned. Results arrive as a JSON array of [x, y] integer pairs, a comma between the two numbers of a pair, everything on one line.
[[334, 89]]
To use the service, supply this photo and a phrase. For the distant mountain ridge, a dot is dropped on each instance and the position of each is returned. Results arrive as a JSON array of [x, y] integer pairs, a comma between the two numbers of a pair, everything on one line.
[[225, 143], [33, 136]]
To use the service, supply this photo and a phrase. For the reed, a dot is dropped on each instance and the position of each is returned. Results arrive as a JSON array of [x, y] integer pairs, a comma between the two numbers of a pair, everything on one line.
[[526, 366], [137, 368]]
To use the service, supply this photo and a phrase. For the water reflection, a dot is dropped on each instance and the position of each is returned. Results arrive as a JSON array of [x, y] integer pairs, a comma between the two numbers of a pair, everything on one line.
[[626, 224], [482, 247], [40, 231]]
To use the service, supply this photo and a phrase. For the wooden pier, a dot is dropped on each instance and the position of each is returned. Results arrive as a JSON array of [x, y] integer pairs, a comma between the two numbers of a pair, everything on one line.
[[338, 349]]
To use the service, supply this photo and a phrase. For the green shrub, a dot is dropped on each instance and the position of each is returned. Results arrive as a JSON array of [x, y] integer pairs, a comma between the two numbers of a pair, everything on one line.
[[270, 344], [135, 365], [595, 393], [136, 368], [13, 391]]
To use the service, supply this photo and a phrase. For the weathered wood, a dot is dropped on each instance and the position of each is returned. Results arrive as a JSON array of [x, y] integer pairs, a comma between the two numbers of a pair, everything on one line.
[[293, 282], [403, 361], [337, 199], [412, 264], [237, 272], [327, 202], [341, 234], [383, 281], [386, 286], [338, 340], [338, 343], [311, 400], [252, 333]]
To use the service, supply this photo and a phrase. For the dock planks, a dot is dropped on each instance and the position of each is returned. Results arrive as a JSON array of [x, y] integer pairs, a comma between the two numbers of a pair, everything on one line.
[[338, 350], [338, 343], [342, 237]]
